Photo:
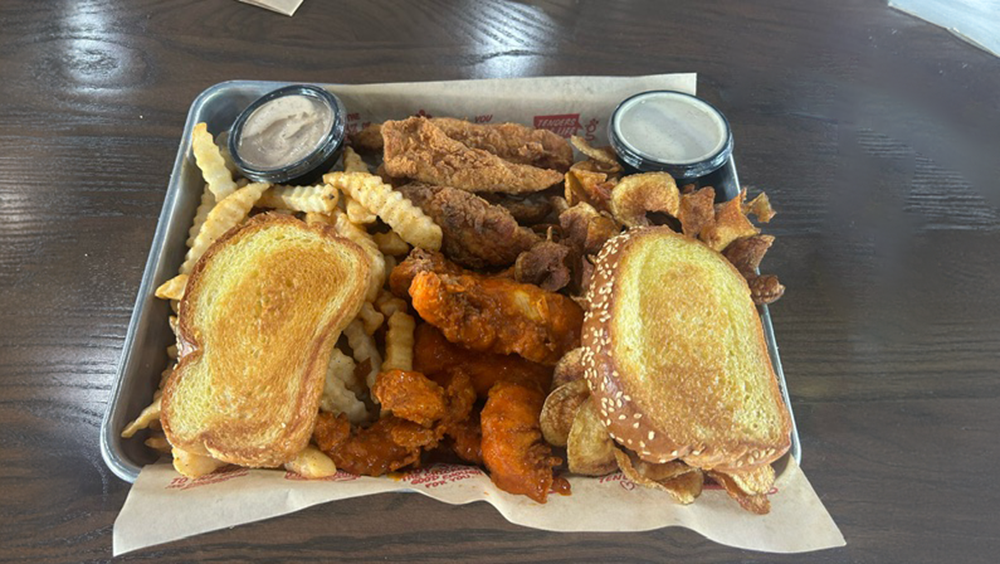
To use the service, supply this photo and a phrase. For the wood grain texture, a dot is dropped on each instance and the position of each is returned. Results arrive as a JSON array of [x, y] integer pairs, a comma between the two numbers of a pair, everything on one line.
[[874, 134]]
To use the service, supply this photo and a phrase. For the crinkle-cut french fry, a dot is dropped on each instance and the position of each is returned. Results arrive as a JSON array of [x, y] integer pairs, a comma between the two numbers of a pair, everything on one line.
[[399, 342], [353, 161], [158, 442], [390, 243], [370, 318], [312, 464], [206, 205], [345, 228], [210, 161], [194, 465], [389, 304], [172, 289], [315, 217], [363, 346], [338, 396], [357, 213], [353, 381], [150, 413], [321, 198], [227, 214], [222, 142], [390, 263], [406, 219]]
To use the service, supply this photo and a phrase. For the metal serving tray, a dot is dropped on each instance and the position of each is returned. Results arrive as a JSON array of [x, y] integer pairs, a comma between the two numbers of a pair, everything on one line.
[[144, 355]]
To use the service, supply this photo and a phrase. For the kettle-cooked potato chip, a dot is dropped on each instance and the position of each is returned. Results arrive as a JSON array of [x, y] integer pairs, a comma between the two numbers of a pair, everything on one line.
[[559, 411], [589, 448]]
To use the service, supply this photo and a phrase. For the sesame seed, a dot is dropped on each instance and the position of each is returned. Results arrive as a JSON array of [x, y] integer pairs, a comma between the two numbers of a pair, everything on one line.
[[620, 417], [652, 435], [635, 425]]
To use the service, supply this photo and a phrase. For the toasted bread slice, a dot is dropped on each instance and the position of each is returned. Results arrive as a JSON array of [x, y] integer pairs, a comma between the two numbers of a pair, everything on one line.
[[675, 355], [261, 313]]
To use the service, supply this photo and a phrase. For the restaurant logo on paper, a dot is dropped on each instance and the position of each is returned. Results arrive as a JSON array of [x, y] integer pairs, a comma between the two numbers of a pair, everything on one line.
[[565, 125]]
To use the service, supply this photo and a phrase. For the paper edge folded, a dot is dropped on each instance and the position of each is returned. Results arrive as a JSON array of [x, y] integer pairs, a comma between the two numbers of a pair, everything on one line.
[[834, 537]]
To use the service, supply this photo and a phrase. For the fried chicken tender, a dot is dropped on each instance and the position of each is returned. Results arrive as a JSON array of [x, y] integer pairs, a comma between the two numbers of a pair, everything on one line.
[[388, 445], [368, 139], [419, 260], [410, 395], [545, 265], [512, 142], [416, 148], [467, 440], [498, 315], [460, 398], [519, 460], [477, 233], [527, 210], [436, 356], [397, 440]]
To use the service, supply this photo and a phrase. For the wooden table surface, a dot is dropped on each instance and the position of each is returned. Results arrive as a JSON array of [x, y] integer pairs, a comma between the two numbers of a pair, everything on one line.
[[873, 132]]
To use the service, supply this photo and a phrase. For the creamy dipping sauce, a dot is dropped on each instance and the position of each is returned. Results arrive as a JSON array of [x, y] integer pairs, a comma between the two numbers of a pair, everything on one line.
[[284, 131], [671, 128]]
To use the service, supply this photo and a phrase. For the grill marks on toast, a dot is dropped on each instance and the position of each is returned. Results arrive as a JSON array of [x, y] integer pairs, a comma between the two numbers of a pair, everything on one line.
[[261, 314], [675, 355]]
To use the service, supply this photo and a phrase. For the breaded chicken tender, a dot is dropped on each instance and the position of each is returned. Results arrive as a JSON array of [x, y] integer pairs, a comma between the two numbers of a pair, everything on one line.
[[416, 148], [476, 233], [498, 315], [411, 396], [518, 458], [388, 445], [434, 355], [512, 142], [423, 413], [419, 261]]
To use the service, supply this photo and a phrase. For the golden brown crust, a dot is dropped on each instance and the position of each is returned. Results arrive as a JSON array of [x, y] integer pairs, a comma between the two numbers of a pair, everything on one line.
[[416, 148], [477, 234], [633, 421], [227, 438], [511, 142]]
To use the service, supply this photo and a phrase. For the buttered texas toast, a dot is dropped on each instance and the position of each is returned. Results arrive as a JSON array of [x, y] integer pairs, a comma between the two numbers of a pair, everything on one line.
[[675, 356], [260, 316]]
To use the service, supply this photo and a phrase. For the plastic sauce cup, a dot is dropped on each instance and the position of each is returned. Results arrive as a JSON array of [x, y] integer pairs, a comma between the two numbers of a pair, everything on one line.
[[673, 132], [291, 135]]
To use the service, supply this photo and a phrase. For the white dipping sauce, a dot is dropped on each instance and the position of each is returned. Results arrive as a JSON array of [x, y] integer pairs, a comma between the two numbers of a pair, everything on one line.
[[284, 131], [671, 128]]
